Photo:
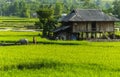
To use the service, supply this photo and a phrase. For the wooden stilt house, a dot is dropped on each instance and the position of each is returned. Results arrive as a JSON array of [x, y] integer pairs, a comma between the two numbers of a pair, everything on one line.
[[85, 24]]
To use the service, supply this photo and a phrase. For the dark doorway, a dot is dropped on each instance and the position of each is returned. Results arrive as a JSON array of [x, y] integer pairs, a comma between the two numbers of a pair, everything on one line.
[[93, 26]]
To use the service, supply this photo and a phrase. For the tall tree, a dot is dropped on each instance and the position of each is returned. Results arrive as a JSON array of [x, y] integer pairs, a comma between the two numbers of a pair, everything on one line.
[[46, 19], [116, 8]]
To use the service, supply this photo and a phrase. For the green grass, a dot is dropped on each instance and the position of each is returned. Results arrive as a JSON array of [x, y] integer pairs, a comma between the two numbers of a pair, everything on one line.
[[85, 60], [15, 36], [58, 58]]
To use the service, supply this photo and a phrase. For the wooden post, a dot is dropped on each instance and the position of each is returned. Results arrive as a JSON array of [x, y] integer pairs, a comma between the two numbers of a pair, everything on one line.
[[99, 35], [82, 35], [113, 35], [34, 40], [92, 35], [86, 35], [95, 35], [78, 34]]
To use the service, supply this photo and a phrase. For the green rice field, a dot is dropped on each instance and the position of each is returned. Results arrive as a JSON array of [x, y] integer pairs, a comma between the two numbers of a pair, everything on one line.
[[17, 23], [58, 58], [15, 36], [50, 58]]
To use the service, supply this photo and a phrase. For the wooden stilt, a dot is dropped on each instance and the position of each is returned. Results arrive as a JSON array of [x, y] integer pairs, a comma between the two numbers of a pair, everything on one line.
[[113, 35], [82, 35], [95, 35], [86, 35], [92, 35], [78, 36]]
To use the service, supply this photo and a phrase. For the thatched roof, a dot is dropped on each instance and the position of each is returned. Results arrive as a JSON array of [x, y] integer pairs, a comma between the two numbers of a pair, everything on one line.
[[88, 15]]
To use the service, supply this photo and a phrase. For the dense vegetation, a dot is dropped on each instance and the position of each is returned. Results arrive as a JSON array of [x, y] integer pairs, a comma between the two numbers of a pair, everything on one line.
[[27, 8]]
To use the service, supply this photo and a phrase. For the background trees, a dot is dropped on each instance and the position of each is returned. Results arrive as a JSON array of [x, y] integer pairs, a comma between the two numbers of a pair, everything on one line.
[[15, 8], [116, 8], [58, 9], [26, 8]]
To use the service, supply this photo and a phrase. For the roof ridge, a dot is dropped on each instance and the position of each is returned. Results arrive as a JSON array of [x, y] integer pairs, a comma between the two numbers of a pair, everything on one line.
[[87, 9]]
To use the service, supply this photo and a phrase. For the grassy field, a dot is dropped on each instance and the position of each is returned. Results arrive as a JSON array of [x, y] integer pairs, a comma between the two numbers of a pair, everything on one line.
[[85, 60], [15, 36], [58, 58]]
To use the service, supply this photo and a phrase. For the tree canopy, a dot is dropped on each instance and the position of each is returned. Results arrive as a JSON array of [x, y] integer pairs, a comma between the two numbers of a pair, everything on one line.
[[116, 8], [27, 8], [46, 19]]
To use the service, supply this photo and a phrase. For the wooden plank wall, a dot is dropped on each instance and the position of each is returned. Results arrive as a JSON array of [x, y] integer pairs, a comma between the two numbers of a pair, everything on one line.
[[100, 27], [105, 26], [79, 27]]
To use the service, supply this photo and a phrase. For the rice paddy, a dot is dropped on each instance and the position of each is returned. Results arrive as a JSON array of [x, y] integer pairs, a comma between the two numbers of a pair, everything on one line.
[[59, 58]]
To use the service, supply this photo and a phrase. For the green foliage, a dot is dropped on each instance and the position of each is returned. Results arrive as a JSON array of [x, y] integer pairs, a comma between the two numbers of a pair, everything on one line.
[[45, 13], [116, 8], [26, 8], [58, 9], [46, 20], [107, 5], [98, 2], [16, 8], [38, 25]]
